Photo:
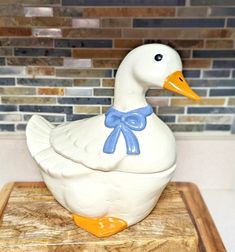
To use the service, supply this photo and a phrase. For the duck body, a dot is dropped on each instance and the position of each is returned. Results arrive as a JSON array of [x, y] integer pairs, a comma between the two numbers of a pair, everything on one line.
[[108, 191]]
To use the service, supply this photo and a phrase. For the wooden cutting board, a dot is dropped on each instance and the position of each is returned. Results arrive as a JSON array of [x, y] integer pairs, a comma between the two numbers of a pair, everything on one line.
[[31, 220]]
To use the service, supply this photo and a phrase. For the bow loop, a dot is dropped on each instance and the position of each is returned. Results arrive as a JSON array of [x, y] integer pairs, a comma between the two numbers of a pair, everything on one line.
[[125, 122]]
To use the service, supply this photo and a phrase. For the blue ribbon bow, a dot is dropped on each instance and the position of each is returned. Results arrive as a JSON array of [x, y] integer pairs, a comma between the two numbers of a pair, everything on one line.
[[125, 123]]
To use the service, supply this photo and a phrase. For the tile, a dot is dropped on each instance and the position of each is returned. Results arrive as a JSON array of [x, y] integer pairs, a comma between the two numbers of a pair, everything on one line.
[[106, 63], [218, 127], [202, 22], [231, 22], [47, 32], [179, 43], [186, 127], [8, 108], [51, 22], [216, 73], [51, 91], [224, 64], [6, 51], [191, 73], [44, 82], [78, 117], [103, 92], [35, 61], [78, 63], [90, 33], [222, 92], [45, 109], [212, 2], [85, 23], [38, 12], [170, 110], [211, 110], [205, 119], [123, 3], [167, 118], [197, 63], [99, 53], [116, 22], [108, 82], [9, 70], [233, 74], [96, 101], [213, 53], [17, 91], [129, 12], [211, 83], [219, 44], [63, 72], [22, 42], [192, 11], [21, 126], [127, 43], [222, 11], [2, 61], [78, 91], [50, 118], [163, 93], [202, 102], [15, 32], [42, 52], [73, 12], [11, 10], [86, 82], [7, 81], [40, 71], [7, 127], [15, 21], [10, 117], [231, 101], [27, 100], [86, 110], [36, 2], [83, 43], [158, 101]]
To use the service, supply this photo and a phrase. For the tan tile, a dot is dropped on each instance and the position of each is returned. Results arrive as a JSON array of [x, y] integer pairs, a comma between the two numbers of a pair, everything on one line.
[[129, 12], [17, 91], [206, 119], [116, 22], [219, 43], [51, 91], [99, 53], [86, 82], [108, 82], [192, 11], [104, 109], [51, 22], [35, 61], [106, 63], [63, 72], [86, 109], [40, 71], [202, 102], [197, 63], [231, 101], [28, 100], [127, 43]]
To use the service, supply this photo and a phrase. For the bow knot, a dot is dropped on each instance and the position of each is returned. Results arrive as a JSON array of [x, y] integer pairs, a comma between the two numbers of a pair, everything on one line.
[[125, 123]]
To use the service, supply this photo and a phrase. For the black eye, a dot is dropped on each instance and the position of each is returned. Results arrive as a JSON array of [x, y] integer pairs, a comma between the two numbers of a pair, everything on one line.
[[158, 57]]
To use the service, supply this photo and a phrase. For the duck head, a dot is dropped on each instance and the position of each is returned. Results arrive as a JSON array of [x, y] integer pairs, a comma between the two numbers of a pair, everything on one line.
[[160, 66]]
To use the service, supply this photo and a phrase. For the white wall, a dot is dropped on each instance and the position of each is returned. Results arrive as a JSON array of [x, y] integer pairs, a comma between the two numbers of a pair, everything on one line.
[[205, 160]]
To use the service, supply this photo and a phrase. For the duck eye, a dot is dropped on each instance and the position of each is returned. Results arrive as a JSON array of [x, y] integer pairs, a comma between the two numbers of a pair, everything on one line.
[[158, 57]]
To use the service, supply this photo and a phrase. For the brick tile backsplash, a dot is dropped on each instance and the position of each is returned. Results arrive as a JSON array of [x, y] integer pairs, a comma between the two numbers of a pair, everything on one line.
[[58, 58]]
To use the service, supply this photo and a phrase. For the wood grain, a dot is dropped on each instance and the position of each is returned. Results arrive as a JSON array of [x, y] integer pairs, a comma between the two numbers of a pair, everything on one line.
[[34, 221]]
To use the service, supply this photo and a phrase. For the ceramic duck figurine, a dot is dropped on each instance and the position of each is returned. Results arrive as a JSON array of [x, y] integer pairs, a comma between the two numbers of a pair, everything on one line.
[[110, 170]]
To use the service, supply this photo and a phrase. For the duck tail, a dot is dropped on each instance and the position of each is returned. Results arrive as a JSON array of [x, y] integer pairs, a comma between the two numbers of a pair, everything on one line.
[[38, 134]]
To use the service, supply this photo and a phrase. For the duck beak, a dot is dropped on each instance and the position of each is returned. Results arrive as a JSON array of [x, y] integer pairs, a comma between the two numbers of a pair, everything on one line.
[[177, 83]]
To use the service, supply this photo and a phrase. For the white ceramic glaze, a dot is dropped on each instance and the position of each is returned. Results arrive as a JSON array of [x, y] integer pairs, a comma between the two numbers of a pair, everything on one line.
[[89, 182]]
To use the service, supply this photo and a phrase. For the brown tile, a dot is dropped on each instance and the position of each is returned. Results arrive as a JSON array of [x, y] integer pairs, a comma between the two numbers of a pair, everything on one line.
[[202, 102], [116, 22], [17, 91], [103, 92], [51, 91], [82, 73], [36, 61], [22, 42], [31, 2], [206, 119], [196, 63], [106, 63], [178, 33], [127, 43], [91, 33], [180, 43], [192, 11], [219, 43], [40, 71], [86, 110], [128, 12], [51, 22], [6, 51], [231, 101], [99, 53], [108, 82], [15, 32], [15, 21], [104, 109], [12, 10], [28, 100], [86, 82]]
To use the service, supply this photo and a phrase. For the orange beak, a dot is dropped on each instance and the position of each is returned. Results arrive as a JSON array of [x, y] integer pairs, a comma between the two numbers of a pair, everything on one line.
[[177, 83]]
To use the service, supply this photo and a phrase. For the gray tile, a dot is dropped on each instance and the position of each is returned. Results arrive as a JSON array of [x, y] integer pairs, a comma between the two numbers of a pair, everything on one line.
[[8, 108], [7, 127], [47, 32], [191, 73], [193, 22], [78, 92], [224, 64], [211, 83], [16, 70], [45, 82], [222, 92], [2, 61], [45, 109], [211, 110], [167, 118], [78, 117], [186, 127], [78, 63], [212, 2], [218, 127], [103, 92], [216, 73], [7, 81], [50, 118], [21, 126], [31, 42], [43, 52], [222, 11], [233, 126], [231, 22], [38, 12], [78, 100], [74, 11], [170, 110], [83, 43], [214, 53]]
